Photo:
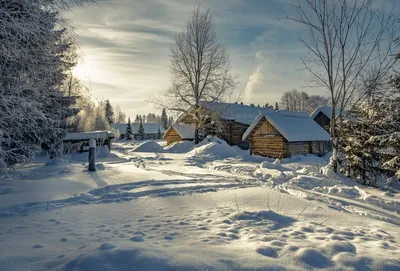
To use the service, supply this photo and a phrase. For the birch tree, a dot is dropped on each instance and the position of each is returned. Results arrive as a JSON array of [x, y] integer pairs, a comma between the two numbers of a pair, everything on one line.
[[200, 70], [346, 41]]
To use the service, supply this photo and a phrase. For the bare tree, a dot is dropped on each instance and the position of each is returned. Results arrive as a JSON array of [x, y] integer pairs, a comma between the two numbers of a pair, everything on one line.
[[347, 40], [200, 70]]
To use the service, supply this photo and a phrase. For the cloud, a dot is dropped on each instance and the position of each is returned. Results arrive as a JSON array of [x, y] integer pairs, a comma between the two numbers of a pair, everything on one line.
[[126, 47]]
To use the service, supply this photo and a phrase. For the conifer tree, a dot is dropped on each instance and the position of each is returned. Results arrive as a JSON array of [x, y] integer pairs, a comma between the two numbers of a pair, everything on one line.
[[141, 134], [164, 119], [128, 133]]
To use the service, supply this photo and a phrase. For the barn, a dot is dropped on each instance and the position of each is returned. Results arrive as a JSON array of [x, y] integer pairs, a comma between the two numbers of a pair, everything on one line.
[[235, 118], [285, 133], [179, 132], [322, 115]]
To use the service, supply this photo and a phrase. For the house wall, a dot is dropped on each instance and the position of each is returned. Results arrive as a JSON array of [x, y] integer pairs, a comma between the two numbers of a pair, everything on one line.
[[323, 121], [172, 136], [306, 147], [267, 141], [233, 133], [274, 146]]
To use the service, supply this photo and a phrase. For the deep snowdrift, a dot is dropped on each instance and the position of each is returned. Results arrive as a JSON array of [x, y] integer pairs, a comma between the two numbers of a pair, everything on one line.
[[212, 148], [149, 146]]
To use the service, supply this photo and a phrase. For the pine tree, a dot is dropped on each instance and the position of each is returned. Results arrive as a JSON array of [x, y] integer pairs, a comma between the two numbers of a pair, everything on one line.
[[372, 142], [128, 133], [109, 112], [159, 136], [164, 119], [276, 106], [141, 134]]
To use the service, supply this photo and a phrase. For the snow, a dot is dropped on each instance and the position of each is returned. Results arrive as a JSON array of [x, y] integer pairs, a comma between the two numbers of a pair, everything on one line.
[[180, 147], [326, 110], [212, 148], [160, 211], [88, 135], [185, 131], [149, 128], [149, 146], [238, 112], [294, 127]]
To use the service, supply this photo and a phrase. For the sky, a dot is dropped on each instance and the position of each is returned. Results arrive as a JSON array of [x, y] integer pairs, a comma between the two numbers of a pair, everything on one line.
[[125, 46]]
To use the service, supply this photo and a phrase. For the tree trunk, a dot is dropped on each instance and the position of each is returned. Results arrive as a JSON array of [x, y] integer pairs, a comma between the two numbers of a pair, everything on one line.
[[334, 140], [196, 136]]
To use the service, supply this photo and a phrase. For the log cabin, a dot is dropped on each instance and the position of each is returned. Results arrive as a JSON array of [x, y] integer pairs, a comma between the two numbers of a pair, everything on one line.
[[179, 132], [235, 118], [322, 115], [284, 133]]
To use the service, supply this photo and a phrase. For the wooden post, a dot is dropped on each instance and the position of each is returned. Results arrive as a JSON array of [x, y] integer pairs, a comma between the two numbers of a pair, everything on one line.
[[92, 155]]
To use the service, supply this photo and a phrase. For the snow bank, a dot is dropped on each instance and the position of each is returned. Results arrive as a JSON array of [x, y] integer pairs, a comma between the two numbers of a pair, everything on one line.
[[180, 147], [149, 146], [212, 148]]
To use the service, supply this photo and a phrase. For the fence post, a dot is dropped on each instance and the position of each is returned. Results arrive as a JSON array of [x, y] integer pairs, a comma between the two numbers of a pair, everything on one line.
[[92, 155]]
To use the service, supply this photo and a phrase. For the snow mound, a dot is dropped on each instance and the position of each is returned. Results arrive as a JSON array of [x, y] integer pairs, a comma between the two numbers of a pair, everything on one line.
[[57, 162], [275, 165], [102, 152], [180, 147], [212, 148], [149, 146]]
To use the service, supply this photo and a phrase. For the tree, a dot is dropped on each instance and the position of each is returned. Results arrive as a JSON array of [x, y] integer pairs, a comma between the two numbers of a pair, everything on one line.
[[159, 136], [164, 119], [141, 134], [200, 71], [138, 118], [128, 133], [372, 142], [119, 115], [35, 50], [170, 121], [109, 112], [346, 41], [300, 101], [276, 106]]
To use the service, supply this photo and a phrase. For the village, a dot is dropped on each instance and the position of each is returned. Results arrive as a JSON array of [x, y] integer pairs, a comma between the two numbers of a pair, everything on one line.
[[212, 135]]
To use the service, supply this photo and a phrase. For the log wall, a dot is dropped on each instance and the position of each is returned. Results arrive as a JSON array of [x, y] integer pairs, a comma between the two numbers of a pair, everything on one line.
[[274, 146]]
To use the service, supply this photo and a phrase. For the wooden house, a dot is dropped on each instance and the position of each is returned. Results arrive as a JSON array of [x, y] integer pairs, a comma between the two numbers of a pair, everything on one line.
[[235, 118], [284, 133], [179, 132], [322, 115]]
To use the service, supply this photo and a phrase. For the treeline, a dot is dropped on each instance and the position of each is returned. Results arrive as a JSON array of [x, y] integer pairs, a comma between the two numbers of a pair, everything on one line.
[[163, 119]]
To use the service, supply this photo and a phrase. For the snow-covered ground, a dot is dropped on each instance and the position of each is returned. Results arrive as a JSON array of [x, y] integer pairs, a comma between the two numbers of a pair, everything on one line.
[[181, 207]]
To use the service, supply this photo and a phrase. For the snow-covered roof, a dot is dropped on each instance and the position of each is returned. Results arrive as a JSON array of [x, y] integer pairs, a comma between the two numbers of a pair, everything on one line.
[[185, 131], [326, 110], [237, 112], [294, 127], [149, 128], [88, 135]]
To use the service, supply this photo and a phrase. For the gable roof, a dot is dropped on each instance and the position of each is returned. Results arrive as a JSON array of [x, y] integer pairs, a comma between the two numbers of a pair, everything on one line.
[[326, 110], [237, 112], [294, 127], [185, 131], [149, 128]]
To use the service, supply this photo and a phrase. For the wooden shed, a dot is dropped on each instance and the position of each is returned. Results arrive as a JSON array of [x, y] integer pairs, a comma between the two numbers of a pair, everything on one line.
[[283, 134], [179, 132], [322, 115]]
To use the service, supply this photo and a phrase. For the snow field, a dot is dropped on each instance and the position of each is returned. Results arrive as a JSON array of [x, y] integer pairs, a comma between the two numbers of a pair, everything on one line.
[[173, 211]]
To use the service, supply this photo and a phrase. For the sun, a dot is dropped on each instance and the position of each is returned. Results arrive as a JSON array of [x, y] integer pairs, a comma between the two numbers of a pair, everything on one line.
[[81, 71]]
